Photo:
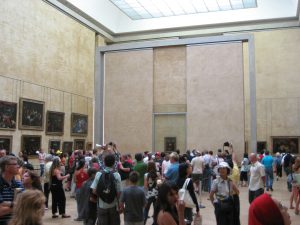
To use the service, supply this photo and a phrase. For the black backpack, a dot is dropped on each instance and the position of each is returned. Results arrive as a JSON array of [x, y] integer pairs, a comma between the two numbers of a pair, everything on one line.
[[106, 187], [287, 160]]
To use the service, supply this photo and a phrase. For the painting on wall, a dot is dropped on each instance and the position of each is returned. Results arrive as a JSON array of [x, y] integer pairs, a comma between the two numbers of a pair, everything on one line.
[[54, 145], [89, 146], [6, 143], [67, 146], [79, 144], [31, 114], [285, 144], [79, 124], [170, 144], [55, 123], [31, 144], [8, 115]]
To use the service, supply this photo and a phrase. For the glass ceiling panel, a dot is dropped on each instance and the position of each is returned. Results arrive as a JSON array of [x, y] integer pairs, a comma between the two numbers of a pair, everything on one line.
[[147, 9]]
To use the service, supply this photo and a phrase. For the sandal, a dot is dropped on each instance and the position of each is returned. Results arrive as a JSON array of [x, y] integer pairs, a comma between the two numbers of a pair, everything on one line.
[[297, 211], [65, 216]]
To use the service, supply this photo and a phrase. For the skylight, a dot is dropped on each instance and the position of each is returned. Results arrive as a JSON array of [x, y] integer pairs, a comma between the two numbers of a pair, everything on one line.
[[146, 9]]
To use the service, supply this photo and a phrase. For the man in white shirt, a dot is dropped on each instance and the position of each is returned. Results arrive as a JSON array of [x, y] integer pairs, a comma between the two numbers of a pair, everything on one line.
[[197, 174], [257, 178]]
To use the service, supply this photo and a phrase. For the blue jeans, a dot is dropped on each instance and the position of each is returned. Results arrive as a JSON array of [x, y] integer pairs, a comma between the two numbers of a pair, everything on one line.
[[42, 169], [269, 177]]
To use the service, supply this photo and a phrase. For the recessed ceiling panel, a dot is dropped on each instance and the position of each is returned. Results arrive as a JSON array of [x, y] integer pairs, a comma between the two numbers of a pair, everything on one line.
[[148, 9]]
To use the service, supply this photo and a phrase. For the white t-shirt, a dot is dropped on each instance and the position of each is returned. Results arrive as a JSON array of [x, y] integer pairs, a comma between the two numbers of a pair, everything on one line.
[[198, 164], [165, 166], [257, 171]]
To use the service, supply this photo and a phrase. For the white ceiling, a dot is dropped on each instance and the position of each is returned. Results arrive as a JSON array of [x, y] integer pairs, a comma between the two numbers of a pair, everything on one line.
[[107, 19]]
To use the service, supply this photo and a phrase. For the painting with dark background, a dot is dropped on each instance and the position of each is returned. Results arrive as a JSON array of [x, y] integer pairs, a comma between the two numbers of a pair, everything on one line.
[[54, 144], [31, 114], [67, 146], [6, 143], [55, 123], [79, 124], [79, 144], [31, 144], [8, 115]]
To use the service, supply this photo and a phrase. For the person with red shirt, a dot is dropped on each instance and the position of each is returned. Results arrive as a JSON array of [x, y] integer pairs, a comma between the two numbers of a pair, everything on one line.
[[80, 176]]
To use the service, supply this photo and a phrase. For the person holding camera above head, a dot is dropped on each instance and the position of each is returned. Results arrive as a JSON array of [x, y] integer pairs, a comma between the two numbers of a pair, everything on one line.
[[221, 196]]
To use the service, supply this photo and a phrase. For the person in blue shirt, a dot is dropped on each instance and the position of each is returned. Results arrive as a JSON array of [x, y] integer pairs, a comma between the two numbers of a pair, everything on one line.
[[267, 161], [172, 174]]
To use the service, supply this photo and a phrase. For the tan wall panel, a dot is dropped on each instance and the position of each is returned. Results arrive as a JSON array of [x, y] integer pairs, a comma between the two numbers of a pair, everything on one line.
[[215, 96], [169, 75], [44, 46], [285, 117], [262, 119], [128, 99]]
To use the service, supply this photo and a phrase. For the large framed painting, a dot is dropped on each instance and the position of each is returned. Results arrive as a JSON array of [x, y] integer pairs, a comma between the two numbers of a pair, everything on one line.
[[31, 114], [79, 124], [67, 146], [286, 144], [8, 115], [79, 144], [55, 123], [30, 144], [54, 145], [6, 143]]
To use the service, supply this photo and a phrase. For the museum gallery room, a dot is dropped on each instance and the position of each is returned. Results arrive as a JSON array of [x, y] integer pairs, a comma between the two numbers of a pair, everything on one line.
[[151, 75]]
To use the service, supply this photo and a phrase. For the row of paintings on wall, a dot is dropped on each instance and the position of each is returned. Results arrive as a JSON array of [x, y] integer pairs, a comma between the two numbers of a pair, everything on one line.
[[32, 143], [31, 117]]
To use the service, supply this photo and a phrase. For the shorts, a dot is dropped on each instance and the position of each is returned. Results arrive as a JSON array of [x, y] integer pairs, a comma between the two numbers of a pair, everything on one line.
[[196, 177]]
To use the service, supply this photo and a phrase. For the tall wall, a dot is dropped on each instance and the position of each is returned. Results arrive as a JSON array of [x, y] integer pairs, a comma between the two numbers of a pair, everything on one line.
[[277, 54], [46, 56]]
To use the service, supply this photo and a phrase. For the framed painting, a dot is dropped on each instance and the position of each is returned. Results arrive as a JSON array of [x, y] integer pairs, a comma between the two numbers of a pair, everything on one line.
[[30, 144], [170, 144], [55, 123], [6, 143], [79, 124], [54, 144], [89, 146], [67, 146], [286, 144], [31, 115], [79, 144], [8, 115]]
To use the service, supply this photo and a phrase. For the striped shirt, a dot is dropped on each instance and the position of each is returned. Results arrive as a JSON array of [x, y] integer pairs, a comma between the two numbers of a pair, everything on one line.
[[7, 195]]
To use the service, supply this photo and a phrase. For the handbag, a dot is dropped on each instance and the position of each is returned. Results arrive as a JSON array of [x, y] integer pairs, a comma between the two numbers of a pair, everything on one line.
[[226, 205], [185, 196]]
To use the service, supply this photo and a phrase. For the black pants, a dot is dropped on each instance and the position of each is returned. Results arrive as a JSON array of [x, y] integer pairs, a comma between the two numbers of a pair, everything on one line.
[[58, 199], [46, 193], [147, 207], [108, 216], [254, 194], [223, 218]]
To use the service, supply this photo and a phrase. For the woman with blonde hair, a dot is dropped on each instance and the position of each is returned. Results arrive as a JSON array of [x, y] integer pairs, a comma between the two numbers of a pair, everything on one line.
[[28, 208]]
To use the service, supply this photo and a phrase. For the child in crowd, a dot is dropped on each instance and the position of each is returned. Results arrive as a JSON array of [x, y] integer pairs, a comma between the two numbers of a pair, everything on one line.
[[133, 201]]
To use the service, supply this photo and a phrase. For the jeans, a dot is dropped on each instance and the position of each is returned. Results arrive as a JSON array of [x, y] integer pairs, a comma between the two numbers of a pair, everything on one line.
[[147, 207], [42, 169], [269, 177]]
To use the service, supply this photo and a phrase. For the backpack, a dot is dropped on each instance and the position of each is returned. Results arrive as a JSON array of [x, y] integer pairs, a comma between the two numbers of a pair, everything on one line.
[[106, 187]]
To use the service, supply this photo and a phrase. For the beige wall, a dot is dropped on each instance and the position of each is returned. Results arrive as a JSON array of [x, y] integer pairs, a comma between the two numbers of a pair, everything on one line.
[[277, 54], [46, 56], [215, 96], [129, 100]]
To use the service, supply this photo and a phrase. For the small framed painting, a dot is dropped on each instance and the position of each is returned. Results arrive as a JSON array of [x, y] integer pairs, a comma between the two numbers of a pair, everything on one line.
[[55, 123], [8, 115], [31, 114], [79, 124]]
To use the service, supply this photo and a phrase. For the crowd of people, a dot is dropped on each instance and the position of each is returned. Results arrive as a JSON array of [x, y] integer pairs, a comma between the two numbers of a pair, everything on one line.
[[106, 183]]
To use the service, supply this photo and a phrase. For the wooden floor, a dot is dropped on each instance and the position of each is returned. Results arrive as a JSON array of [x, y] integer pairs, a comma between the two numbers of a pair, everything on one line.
[[280, 192]]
